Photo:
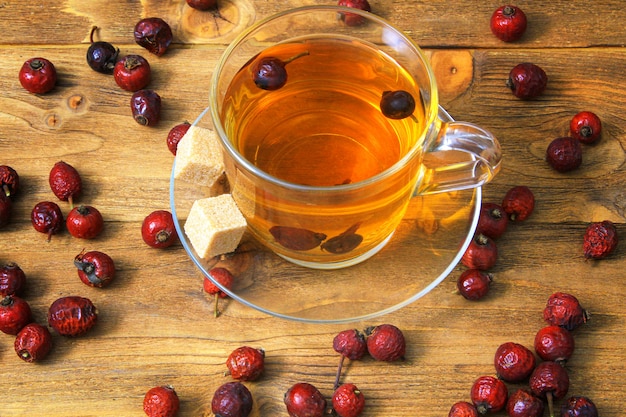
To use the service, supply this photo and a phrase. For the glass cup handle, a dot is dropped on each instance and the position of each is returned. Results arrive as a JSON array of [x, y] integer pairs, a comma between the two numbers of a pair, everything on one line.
[[461, 156]]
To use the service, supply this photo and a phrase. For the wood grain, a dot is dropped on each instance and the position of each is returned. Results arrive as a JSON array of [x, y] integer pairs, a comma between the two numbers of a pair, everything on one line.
[[156, 325]]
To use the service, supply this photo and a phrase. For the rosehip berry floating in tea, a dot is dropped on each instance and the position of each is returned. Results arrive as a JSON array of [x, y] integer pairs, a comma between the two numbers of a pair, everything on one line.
[[397, 104], [47, 218], [33, 342], [295, 238], [508, 23], [12, 279], [564, 154], [84, 222], [146, 107], [38, 75], [522, 403], [154, 34], [305, 400], [586, 127], [132, 73], [101, 56], [9, 180], [65, 182], [353, 19], [202, 4], [600, 240], [489, 394], [232, 399], [527, 80], [175, 135], [348, 401], [72, 315], [578, 406], [161, 401], [95, 268], [269, 73]]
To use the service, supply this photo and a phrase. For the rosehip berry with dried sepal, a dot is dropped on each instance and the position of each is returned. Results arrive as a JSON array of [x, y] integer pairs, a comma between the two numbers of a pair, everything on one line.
[[154, 34], [304, 400], [563, 309], [132, 72], [72, 315], [9, 180], [84, 222], [508, 23], [348, 401], [158, 230], [232, 399], [95, 268], [225, 278], [6, 209], [600, 240], [161, 401], [492, 221], [549, 380], [564, 154], [514, 362], [46, 217], [474, 284], [349, 344], [554, 343], [578, 406], [527, 80], [15, 313], [463, 409], [353, 19], [522, 403], [246, 363], [33, 342], [65, 182], [38, 75], [586, 127], [518, 203], [145, 106], [482, 253], [175, 135], [12, 279], [489, 394], [385, 342]]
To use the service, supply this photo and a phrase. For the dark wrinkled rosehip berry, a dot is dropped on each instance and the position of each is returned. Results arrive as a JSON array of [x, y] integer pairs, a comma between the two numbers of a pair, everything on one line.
[[12, 279], [508, 23], [397, 104], [489, 394], [344, 242], [527, 80], [232, 399], [463, 409], [46, 217], [474, 284], [15, 313], [296, 238], [353, 19], [522, 403], [146, 107], [175, 135], [549, 380], [72, 315], [270, 73], [132, 72], [246, 363], [225, 278], [202, 4], [348, 401], [9, 180], [578, 406], [154, 34], [304, 400], [554, 343], [600, 240], [518, 203], [161, 401], [84, 222], [95, 268], [38, 75], [514, 362], [33, 342], [564, 154], [101, 56], [563, 309], [586, 127], [6, 209], [492, 221], [482, 253], [385, 342], [65, 182]]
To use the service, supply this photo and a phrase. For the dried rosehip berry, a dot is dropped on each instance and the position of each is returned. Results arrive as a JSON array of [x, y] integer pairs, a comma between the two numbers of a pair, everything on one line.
[[269, 73], [563, 309], [95, 268], [397, 104], [154, 34], [353, 19], [600, 240], [161, 401], [47, 218], [463, 409], [9, 180], [72, 315], [246, 363], [84, 222], [225, 278], [12, 279], [348, 401], [38, 75], [554, 343], [202, 4], [232, 399], [514, 362], [522, 403], [492, 221], [101, 56], [295, 238], [15, 313], [586, 127], [482, 253], [132, 72], [146, 107], [549, 380], [489, 394], [564, 154], [175, 135], [349, 344], [385, 342], [33, 342], [304, 400], [158, 230], [518, 203], [65, 182], [474, 284], [508, 23], [344, 242], [578, 406], [527, 80]]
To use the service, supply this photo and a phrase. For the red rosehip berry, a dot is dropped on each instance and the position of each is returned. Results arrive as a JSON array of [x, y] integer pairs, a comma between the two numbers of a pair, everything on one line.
[[161, 401], [463, 409], [304, 400], [518, 203], [154, 34], [9, 180], [563, 309], [527, 81], [489, 394], [246, 363], [600, 240], [564, 154], [84, 222], [482, 253], [202, 4], [353, 19], [578, 406], [549, 380], [474, 284], [508, 23], [492, 221], [33, 342], [522, 403], [95, 268], [348, 401], [514, 362], [586, 127], [554, 343], [225, 278], [349, 344], [12, 279], [385, 342], [132, 72], [232, 399], [72, 315], [15, 313], [47, 218], [38, 75], [158, 230], [65, 182], [175, 135], [145, 106]]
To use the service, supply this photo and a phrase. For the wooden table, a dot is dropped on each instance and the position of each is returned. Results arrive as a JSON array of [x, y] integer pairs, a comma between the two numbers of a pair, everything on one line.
[[156, 325]]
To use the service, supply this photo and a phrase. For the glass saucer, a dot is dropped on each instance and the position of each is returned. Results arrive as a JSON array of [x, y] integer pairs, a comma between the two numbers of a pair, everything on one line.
[[425, 248]]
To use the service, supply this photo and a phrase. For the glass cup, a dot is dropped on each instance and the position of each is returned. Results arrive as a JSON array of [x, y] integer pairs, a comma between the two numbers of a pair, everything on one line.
[[330, 125]]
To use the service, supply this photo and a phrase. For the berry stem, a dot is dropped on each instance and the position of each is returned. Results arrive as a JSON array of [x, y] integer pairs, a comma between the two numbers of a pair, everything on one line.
[[300, 55], [216, 311], [550, 403], [93, 29], [338, 375]]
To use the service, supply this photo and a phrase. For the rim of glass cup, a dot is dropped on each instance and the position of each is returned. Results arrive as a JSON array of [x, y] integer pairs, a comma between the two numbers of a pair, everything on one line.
[[431, 112]]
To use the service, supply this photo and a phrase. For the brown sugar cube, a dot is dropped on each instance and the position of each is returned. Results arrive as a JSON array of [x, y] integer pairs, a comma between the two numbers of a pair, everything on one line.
[[215, 226], [199, 157]]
